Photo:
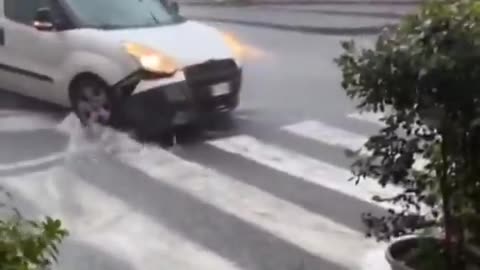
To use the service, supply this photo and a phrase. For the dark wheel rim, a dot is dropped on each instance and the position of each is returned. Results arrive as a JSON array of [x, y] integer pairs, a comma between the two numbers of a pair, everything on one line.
[[93, 105]]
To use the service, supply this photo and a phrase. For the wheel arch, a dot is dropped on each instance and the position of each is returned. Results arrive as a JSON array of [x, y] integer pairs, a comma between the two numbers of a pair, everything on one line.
[[74, 92], [85, 75], [83, 64]]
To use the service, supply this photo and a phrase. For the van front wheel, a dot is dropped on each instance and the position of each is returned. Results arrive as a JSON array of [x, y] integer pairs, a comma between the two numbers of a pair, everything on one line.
[[92, 101]]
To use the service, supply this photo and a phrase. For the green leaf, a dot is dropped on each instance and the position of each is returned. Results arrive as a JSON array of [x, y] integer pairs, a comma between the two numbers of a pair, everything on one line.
[[29, 244], [427, 71]]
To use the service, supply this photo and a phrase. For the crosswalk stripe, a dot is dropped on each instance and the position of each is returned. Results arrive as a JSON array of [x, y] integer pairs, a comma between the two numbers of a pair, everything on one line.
[[330, 135], [309, 231], [305, 168], [327, 134], [107, 223], [369, 117], [25, 122], [375, 259], [24, 164]]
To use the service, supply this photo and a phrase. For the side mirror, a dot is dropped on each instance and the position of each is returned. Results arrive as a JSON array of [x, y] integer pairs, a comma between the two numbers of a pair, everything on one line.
[[174, 7], [43, 20]]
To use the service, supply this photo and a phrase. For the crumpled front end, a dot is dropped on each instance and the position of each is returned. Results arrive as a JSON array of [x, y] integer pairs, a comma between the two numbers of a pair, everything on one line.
[[209, 87]]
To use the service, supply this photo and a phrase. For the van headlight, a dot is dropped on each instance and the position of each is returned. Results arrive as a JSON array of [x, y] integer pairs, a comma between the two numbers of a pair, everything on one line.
[[237, 48], [152, 60]]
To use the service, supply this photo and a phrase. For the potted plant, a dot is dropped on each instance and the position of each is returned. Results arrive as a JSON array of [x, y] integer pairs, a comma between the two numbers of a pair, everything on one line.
[[27, 244], [426, 72]]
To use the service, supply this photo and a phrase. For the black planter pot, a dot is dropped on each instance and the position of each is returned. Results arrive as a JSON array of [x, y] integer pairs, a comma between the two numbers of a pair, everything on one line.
[[400, 247], [396, 249]]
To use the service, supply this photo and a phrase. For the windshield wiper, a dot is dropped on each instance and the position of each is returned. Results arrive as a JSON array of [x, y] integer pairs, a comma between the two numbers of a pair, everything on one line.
[[154, 18], [104, 26], [109, 26]]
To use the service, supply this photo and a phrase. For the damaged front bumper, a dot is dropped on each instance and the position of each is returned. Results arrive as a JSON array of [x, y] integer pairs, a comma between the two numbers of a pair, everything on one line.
[[203, 90]]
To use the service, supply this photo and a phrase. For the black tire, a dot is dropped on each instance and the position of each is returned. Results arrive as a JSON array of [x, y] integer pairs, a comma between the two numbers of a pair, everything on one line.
[[93, 102]]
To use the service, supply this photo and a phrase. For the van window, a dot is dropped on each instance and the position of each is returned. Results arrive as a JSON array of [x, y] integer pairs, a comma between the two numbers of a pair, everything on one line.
[[23, 11]]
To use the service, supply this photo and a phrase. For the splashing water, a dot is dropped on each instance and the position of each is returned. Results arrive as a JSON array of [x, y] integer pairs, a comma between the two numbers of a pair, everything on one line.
[[95, 138]]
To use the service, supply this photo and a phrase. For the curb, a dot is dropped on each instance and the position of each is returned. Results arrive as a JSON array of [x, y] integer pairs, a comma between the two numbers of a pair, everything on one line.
[[365, 30], [301, 2], [368, 14]]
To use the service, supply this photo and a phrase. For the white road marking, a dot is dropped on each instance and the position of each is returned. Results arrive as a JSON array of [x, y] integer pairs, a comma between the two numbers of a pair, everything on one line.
[[24, 164], [305, 168], [330, 135], [375, 259], [12, 121], [370, 117], [107, 223], [309, 231], [327, 134], [4, 113]]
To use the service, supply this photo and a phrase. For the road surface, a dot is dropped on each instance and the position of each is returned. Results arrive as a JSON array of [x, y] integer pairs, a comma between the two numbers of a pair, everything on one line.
[[264, 190]]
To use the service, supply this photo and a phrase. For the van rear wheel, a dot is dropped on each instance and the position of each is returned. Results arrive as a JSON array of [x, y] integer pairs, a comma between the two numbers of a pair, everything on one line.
[[92, 101]]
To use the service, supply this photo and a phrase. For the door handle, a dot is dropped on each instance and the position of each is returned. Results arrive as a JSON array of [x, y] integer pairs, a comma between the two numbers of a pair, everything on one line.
[[2, 36]]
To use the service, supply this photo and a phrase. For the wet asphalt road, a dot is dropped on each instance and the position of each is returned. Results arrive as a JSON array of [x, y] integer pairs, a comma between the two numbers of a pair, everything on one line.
[[293, 78]]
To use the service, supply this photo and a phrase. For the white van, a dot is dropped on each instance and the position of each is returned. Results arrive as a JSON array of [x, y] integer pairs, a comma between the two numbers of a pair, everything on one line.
[[92, 55]]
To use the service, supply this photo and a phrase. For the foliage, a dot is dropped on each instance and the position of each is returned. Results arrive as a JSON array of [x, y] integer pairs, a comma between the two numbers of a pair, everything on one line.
[[424, 74], [29, 244]]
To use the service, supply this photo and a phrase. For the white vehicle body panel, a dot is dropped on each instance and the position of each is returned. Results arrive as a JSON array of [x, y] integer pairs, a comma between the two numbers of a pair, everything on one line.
[[55, 58]]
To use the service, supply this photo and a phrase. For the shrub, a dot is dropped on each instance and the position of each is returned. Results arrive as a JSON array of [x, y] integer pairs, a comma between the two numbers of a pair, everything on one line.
[[424, 75], [29, 244]]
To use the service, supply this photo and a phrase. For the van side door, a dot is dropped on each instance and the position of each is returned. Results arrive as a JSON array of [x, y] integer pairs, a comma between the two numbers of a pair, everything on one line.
[[35, 57]]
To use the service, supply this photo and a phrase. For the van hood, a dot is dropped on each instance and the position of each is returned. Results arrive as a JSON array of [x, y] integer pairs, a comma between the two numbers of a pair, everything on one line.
[[188, 42]]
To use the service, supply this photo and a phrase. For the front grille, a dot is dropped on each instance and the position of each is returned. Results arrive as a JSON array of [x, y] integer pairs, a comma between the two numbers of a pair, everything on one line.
[[210, 72], [176, 92]]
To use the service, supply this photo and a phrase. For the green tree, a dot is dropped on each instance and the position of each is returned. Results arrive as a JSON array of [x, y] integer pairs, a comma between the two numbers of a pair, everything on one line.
[[426, 72]]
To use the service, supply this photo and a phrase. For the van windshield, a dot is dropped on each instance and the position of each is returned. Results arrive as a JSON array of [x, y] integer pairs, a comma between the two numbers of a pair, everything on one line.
[[118, 14]]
